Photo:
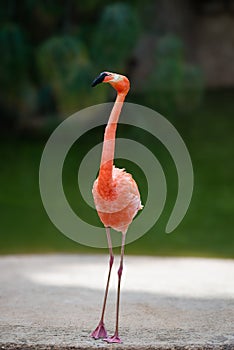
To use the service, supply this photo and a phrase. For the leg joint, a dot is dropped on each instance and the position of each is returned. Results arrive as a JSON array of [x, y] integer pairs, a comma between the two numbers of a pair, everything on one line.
[[111, 260], [120, 270]]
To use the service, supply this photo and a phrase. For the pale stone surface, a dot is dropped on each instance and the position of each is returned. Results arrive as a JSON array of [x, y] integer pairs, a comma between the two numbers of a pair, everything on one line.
[[54, 301]]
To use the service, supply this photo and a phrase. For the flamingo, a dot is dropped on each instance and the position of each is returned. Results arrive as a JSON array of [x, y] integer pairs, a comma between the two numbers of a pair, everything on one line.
[[116, 195]]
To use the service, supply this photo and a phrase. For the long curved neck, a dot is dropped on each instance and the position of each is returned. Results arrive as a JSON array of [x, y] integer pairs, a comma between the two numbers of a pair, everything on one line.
[[108, 150]]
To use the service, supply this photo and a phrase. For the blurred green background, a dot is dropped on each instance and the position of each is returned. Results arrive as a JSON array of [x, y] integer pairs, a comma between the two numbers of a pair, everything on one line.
[[179, 58]]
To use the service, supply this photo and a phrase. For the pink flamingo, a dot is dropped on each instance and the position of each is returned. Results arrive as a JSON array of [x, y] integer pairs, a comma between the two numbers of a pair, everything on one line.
[[115, 193]]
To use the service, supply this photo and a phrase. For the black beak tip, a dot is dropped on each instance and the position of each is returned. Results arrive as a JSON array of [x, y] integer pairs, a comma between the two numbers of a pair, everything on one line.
[[99, 79], [94, 83]]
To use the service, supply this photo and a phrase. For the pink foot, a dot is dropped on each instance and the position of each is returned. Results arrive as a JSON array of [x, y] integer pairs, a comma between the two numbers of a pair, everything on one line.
[[113, 339], [99, 332]]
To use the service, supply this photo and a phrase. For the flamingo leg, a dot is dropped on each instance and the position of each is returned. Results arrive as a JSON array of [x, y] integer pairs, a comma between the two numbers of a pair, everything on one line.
[[100, 331], [115, 338]]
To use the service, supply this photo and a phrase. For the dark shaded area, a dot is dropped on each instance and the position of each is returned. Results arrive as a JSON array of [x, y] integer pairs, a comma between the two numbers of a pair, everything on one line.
[[179, 58]]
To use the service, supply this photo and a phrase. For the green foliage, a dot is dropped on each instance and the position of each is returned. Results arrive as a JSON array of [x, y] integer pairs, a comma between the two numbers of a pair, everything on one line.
[[67, 45], [52, 70], [175, 85], [65, 63], [190, 94], [59, 57], [115, 36], [18, 93], [13, 58], [65, 66]]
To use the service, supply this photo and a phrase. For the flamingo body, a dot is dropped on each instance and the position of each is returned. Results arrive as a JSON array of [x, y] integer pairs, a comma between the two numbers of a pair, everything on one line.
[[119, 203]]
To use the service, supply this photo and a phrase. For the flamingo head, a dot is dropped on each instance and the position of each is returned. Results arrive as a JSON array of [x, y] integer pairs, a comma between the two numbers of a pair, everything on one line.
[[119, 82]]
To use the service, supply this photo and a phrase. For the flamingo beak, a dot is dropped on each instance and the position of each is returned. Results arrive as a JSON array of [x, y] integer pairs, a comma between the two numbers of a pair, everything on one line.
[[99, 79]]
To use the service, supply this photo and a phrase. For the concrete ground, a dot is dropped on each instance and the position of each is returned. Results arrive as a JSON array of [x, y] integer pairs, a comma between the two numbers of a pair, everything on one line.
[[54, 301]]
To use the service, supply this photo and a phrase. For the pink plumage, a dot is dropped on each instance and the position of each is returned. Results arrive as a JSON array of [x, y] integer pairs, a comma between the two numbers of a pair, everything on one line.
[[118, 209], [116, 195]]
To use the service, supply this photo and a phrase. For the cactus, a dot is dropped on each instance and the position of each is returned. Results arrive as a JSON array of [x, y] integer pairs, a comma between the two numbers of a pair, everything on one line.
[[175, 86], [115, 36], [65, 66], [13, 59]]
